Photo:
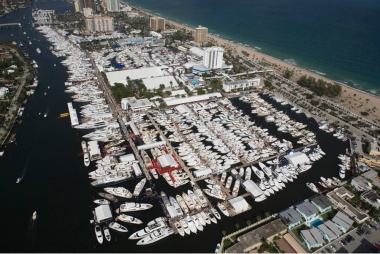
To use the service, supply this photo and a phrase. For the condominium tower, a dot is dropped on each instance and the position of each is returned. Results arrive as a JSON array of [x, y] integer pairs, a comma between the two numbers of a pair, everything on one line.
[[157, 23], [213, 58], [201, 34]]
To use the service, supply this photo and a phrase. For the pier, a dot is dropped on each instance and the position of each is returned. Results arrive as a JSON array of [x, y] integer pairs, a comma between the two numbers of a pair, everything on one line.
[[119, 115], [10, 25], [73, 114]]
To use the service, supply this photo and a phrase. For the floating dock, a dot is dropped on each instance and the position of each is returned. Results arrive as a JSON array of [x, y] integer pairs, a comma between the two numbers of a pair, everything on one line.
[[73, 114]]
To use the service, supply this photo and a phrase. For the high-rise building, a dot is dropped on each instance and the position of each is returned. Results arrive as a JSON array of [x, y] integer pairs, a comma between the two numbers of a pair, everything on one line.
[[80, 4], [213, 58], [157, 23], [87, 12], [201, 34], [113, 5], [100, 24]]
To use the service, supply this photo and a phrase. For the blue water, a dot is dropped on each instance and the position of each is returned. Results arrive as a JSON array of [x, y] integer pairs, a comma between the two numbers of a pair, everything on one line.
[[316, 223], [340, 39]]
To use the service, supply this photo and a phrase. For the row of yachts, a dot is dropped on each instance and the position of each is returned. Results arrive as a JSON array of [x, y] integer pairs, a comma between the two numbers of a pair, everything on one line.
[[282, 121]]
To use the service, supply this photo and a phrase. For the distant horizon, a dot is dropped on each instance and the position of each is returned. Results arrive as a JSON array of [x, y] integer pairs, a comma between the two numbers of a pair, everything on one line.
[[337, 61]]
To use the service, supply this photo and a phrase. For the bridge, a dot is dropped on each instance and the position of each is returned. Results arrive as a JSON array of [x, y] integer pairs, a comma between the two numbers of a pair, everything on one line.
[[10, 25]]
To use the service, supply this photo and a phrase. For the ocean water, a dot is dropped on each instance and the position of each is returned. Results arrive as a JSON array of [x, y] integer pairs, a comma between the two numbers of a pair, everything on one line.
[[338, 39]]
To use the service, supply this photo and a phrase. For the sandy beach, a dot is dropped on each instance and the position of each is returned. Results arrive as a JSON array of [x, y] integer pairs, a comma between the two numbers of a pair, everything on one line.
[[352, 99]]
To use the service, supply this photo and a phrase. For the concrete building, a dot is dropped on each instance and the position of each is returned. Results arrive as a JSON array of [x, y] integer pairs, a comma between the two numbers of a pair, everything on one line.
[[201, 34], [252, 240], [322, 203], [121, 76], [131, 103], [229, 86], [87, 12], [307, 210], [291, 218], [371, 198], [213, 58], [99, 24], [113, 5], [361, 184], [337, 198], [157, 23]]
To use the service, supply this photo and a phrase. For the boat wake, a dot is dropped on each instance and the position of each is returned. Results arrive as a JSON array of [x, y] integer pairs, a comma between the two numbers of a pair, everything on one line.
[[23, 172], [31, 233]]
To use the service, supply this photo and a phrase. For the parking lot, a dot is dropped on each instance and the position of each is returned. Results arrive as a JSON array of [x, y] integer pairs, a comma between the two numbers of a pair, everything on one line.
[[355, 243]]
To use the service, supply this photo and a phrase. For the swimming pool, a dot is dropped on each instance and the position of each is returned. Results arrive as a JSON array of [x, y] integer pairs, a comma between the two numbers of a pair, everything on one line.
[[316, 223]]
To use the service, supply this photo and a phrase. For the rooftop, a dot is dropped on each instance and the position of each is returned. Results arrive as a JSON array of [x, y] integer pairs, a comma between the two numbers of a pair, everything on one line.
[[292, 215], [254, 237], [321, 201], [307, 209], [121, 76]]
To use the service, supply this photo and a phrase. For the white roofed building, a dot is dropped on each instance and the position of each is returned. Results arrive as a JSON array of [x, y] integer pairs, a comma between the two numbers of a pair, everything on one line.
[[229, 86], [155, 82], [313, 238], [167, 161], [103, 213], [121, 76], [202, 172], [297, 159], [239, 204], [135, 104], [94, 150]]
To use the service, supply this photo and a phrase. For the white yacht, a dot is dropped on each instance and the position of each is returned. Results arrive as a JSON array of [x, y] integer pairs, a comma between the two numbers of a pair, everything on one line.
[[107, 234], [223, 209], [216, 213], [99, 234], [128, 219], [133, 207], [312, 187], [191, 224], [116, 226], [139, 187], [119, 192], [182, 203], [158, 223], [101, 201], [155, 236]]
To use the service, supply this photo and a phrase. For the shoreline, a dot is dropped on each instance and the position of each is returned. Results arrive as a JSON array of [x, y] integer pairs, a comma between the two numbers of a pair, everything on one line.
[[364, 101]]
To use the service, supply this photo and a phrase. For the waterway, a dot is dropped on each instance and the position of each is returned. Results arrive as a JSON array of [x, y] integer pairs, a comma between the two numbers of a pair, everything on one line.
[[55, 182]]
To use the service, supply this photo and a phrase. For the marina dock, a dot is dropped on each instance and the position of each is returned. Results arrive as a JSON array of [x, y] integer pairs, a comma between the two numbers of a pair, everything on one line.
[[73, 114]]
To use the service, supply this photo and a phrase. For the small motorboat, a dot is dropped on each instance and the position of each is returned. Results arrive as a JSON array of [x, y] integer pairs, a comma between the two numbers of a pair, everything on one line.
[[99, 234], [107, 234], [101, 201]]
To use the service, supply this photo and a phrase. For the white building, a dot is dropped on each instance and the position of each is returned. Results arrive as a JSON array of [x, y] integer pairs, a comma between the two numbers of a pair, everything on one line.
[[213, 58], [134, 104], [240, 84], [99, 24], [3, 92], [239, 204], [113, 5], [297, 159], [121, 76]]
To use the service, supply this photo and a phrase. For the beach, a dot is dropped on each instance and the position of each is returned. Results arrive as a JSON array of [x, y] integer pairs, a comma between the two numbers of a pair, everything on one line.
[[351, 99]]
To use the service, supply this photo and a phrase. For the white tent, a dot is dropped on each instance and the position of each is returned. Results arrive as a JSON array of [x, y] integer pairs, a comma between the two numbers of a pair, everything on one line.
[[297, 158], [239, 204], [103, 213]]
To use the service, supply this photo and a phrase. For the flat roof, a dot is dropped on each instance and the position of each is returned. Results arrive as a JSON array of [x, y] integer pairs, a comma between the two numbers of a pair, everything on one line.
[[292, 215], [321, 201], [173, 102], [155, 82], [103, 213], [239, 204], [348, 206], [371, 196], [297, 158], [254, 237], [121, 76], [307, 209]]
